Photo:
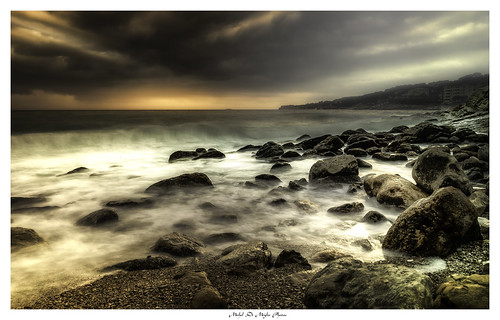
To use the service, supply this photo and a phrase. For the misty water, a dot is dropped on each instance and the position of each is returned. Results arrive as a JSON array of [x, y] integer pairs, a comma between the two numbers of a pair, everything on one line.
[[127, 151]]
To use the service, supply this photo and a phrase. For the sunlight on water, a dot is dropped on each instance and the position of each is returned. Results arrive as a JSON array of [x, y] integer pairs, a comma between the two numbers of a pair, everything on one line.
[[123, 163]]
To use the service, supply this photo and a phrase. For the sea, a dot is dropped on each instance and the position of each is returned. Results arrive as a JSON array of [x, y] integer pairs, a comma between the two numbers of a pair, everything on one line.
[[127, 151]]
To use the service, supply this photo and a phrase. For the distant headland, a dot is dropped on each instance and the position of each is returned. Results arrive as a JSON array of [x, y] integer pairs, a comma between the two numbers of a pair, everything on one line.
[[433, 95]]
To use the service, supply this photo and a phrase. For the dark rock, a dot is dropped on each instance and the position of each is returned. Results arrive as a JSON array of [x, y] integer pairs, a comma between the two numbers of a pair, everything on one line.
[[77, 170], [362, 144], [246, 258], [392, 189], [474, 174], [303, 137], [339, 169], [292, 185], [411, 164], [223, 237], [288, 145], [249, 148], [291, 257], [363, 164], [197, 278], [473, 162], [98, 218], [23, 237], [461, 156], [434, 226], [373, 150], [34, 209], [484, 153], [311, 143], [269, 150], [481, 202], [185, 181], [347, 208], [278, 202], [211, 154], [349, 283], [268, 179], [149, 263], [290, 155], [435, 169], [22, 202], [364, 244], [200, 150], [328, 255], [178, 244], [208, 297], [357, 152], [464, 292], [144, 202], [390, 157], [224, 218], [182, 155], [463, 133], [281, 167], [253, 185], [374, 217], [398, 129], [330, 144]]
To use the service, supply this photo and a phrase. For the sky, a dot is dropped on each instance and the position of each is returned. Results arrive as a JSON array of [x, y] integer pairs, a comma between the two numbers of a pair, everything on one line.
[[234, 59]]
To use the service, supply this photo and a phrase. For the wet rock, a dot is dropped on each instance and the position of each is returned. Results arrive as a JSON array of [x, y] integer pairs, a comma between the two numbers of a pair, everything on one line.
[[249, 147], [288, 145], [373, 150], [23, 202], [76, 170], [461, 156], [303, 137], [269, 150], [363, 164], [473, 162], [484, 153], [267, 179], [98, 218], [149, 263], [481, 202], [374, 217], [311, 143], [306, 206], [474, 174], [211, 154], [330, 144], [390, 156], [245, 258], [434, 226], [411, 164], [281, 167], [290, 155], [144, 202], [223, 237], [278, 203], [399, 129], [365, 244], [435, 169], [291, 257], [287, 223], [293, 185], [464, 292], [178, 244], [484, 226], [392, 189], [23, 237], [182, 155], [347, 208], [328, 255], [182, 182], [357, 152], [349, 283], [208, 297], [339, 169]]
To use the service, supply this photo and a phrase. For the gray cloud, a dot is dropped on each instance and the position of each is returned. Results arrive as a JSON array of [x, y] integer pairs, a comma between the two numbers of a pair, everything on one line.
[[77, 53]]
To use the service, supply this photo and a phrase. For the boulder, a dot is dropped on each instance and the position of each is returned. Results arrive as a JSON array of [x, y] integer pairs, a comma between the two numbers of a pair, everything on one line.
[[289, 155], [306, 206], [481, 201], [473, 162], [361, 142], [363, 164], [464, 292], [208, 297], [357, 152], [23, 202], [303, 137], [347, 208], [128, 203], [211, 154], [293, 258], [189, 277], [185, 181], [178, 244], [434, 226], [392, 189], [484, 153], [149, 263], [182, 155], [374, 217], [269, 150], [248, 147], [98, 218], [23, 237], [330, 144], [267, 179], [245, 258], [390, 156], [311, 143], [339, 169], [436, 169], [281, 167], [347, 283], [76, 170], [328, 255]]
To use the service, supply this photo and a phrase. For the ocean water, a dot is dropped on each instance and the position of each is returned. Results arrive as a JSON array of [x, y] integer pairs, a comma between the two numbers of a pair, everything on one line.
[[127, 151]]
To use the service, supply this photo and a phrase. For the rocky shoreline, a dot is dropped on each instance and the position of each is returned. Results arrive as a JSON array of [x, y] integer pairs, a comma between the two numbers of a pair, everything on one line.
[[446, 215]]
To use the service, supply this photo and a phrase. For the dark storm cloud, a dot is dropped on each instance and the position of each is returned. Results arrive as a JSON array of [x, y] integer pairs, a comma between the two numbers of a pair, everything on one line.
[[78, 52]]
